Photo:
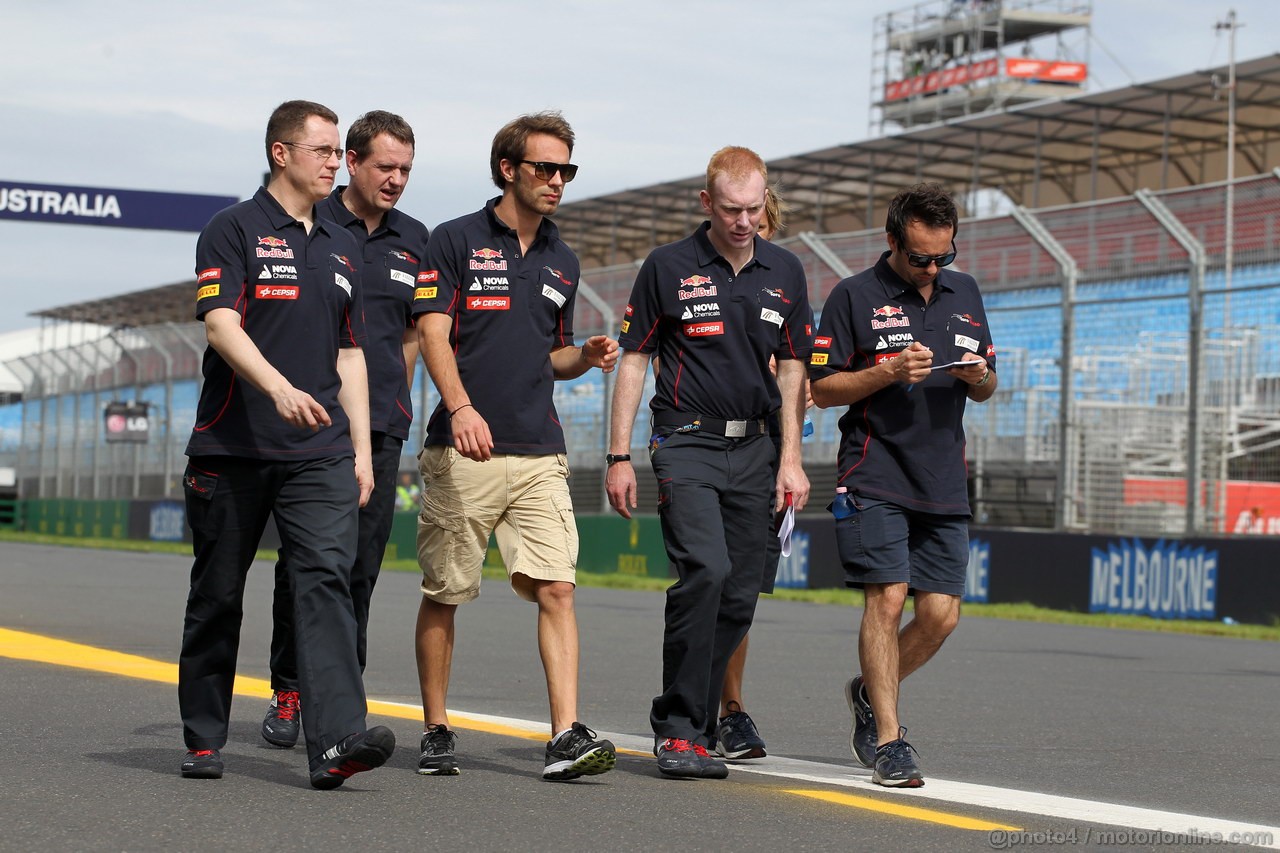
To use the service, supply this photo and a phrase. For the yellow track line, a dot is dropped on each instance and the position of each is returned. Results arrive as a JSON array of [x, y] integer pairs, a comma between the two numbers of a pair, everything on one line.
[[20, 645], [913, 812]]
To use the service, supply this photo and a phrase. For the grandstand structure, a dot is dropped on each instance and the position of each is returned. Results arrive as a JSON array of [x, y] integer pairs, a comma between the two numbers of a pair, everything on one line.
[[1138, 393]]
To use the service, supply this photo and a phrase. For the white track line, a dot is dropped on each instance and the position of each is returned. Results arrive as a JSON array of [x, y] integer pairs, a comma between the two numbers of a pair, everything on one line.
[[965, 793]]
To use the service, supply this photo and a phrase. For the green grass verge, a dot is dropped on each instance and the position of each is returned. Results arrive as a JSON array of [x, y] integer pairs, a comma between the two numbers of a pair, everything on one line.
[[844, 597]]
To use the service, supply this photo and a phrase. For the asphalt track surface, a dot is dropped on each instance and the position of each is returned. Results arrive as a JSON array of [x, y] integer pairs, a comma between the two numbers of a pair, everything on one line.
[[1031, 736]]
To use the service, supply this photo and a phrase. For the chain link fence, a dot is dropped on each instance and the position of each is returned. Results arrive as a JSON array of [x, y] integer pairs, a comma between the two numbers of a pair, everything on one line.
[[1170, 365]]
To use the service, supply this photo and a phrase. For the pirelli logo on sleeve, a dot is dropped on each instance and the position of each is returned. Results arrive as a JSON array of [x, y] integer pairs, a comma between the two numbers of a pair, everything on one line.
[[818, 359], [425, 292], [207, 291]]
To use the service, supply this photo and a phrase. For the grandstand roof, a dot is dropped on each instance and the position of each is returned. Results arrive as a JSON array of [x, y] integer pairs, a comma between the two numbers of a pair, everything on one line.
[[1161, 135]]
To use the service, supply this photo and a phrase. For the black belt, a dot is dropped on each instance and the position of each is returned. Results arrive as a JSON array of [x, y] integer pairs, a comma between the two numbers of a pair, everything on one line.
[[715, 426]]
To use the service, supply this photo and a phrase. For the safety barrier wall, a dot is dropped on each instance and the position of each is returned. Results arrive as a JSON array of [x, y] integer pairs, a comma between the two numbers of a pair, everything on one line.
[[1224, 578]]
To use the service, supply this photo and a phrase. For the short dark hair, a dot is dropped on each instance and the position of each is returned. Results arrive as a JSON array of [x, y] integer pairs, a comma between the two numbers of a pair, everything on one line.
[[365, 129], [509, 142], [928, 204], [288, 120]]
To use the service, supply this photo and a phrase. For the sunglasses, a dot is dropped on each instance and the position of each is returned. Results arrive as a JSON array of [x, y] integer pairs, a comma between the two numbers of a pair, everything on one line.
[[544, 171], [923, 261]]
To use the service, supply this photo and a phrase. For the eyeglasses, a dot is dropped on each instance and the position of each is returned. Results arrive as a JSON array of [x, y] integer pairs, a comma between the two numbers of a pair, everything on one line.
[[324, 152], [923, 261], [544, 171]]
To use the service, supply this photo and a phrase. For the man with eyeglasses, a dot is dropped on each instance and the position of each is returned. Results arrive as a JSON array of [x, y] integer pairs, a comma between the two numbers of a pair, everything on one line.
[[904, 345], [282, 430], [494, 315], [714, 306], [379, 157]]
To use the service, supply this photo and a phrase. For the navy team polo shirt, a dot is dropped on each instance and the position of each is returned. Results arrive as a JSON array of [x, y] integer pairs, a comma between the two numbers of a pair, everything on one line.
[[509, 312], [392, 258], [298, 296], [713, 330], [904, 447]]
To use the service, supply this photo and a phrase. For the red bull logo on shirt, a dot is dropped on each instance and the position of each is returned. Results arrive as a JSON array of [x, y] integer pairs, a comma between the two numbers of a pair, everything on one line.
[[695, 288], [894, 317], [491, 259], [277, 247]]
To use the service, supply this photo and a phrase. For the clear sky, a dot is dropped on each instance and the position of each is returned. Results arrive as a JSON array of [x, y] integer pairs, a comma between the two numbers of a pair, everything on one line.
[[174, 96]]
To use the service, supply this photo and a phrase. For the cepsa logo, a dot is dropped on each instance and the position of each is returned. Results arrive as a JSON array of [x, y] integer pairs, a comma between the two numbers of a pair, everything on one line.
[[276, 291], [488, 303], [991, 350], [425, 293], [702, 330], [428, 276], [822, 341], [205, 275]]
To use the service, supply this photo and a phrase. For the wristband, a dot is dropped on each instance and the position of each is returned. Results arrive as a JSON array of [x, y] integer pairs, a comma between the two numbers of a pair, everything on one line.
[[986, 377], [459, 409]]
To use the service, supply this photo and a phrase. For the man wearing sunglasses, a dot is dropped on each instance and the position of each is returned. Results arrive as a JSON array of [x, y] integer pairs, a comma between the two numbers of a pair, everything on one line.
[[715, 306], [379, 157], [282, 431], [904, 345], [494, 313]]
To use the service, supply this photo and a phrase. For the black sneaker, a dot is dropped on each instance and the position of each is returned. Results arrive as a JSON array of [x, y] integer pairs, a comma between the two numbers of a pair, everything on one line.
[[896, 764], [280, 726], [863, 735], [437, 757], [679, 757], [357, 753], [736, 737], [577, 753], [202, 764]]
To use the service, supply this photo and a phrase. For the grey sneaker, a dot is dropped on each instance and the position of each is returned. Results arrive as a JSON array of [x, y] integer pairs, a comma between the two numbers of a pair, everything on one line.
[[437, 757], [679, 757], [896, 764], [863, 734], [736, 737], [577, 753]]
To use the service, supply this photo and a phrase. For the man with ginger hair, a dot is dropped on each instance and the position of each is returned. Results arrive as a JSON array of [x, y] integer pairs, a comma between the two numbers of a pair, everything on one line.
[[714, 306]]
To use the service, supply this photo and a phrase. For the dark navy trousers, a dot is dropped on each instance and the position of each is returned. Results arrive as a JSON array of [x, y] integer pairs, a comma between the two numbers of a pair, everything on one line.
[[371, 544], [314, 503], [714, 502]]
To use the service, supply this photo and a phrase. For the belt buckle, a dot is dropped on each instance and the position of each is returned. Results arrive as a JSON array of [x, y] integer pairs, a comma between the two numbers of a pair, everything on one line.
[[735, 429]]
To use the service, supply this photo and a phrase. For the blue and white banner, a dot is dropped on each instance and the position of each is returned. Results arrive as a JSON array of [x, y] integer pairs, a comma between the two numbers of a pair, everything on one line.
[[1168, 580], [977, 581], [157, 211]]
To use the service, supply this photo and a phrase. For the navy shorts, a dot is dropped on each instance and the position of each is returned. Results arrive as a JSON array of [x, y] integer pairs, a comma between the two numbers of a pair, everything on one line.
[[885, 543]]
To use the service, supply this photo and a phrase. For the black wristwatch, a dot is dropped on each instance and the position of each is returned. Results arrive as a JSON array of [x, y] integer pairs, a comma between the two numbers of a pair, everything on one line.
[[611, 458]]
